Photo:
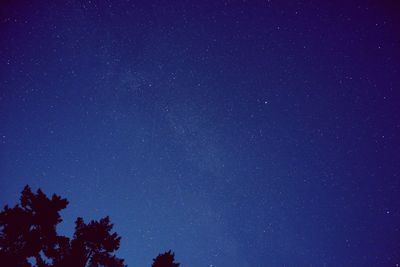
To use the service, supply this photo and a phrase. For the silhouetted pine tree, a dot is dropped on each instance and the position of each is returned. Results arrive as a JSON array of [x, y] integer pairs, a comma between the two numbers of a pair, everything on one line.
[[28, 234], [166, 259]]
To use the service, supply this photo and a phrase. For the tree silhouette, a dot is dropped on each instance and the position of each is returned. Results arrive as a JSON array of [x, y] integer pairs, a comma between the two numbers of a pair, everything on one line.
[[28, 230], [28, 236], [166, 259]]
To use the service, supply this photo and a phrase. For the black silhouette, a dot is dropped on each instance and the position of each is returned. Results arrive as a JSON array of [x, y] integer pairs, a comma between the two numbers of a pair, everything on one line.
[[165, 260], [28, 236]]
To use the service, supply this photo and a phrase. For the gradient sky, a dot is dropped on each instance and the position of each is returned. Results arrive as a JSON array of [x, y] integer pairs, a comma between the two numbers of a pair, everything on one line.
[[252, 133]]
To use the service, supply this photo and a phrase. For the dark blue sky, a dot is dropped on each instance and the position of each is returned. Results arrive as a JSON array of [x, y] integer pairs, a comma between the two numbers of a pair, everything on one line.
[[253, 133]]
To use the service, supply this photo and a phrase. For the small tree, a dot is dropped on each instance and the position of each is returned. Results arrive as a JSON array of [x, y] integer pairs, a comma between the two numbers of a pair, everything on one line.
[[166, 259]]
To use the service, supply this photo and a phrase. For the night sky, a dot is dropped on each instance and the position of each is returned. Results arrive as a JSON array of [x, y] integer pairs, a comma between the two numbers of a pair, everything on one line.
[[252, 133]]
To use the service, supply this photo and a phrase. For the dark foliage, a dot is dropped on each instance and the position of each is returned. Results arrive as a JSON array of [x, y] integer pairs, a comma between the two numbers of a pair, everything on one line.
[[165, 260], [28, 236]]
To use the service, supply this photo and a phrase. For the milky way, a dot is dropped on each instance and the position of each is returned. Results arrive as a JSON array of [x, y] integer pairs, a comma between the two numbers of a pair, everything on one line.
[[235, 133]]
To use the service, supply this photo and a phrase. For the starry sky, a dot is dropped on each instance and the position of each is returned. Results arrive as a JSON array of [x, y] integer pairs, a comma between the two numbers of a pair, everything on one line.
[[236, 133]]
